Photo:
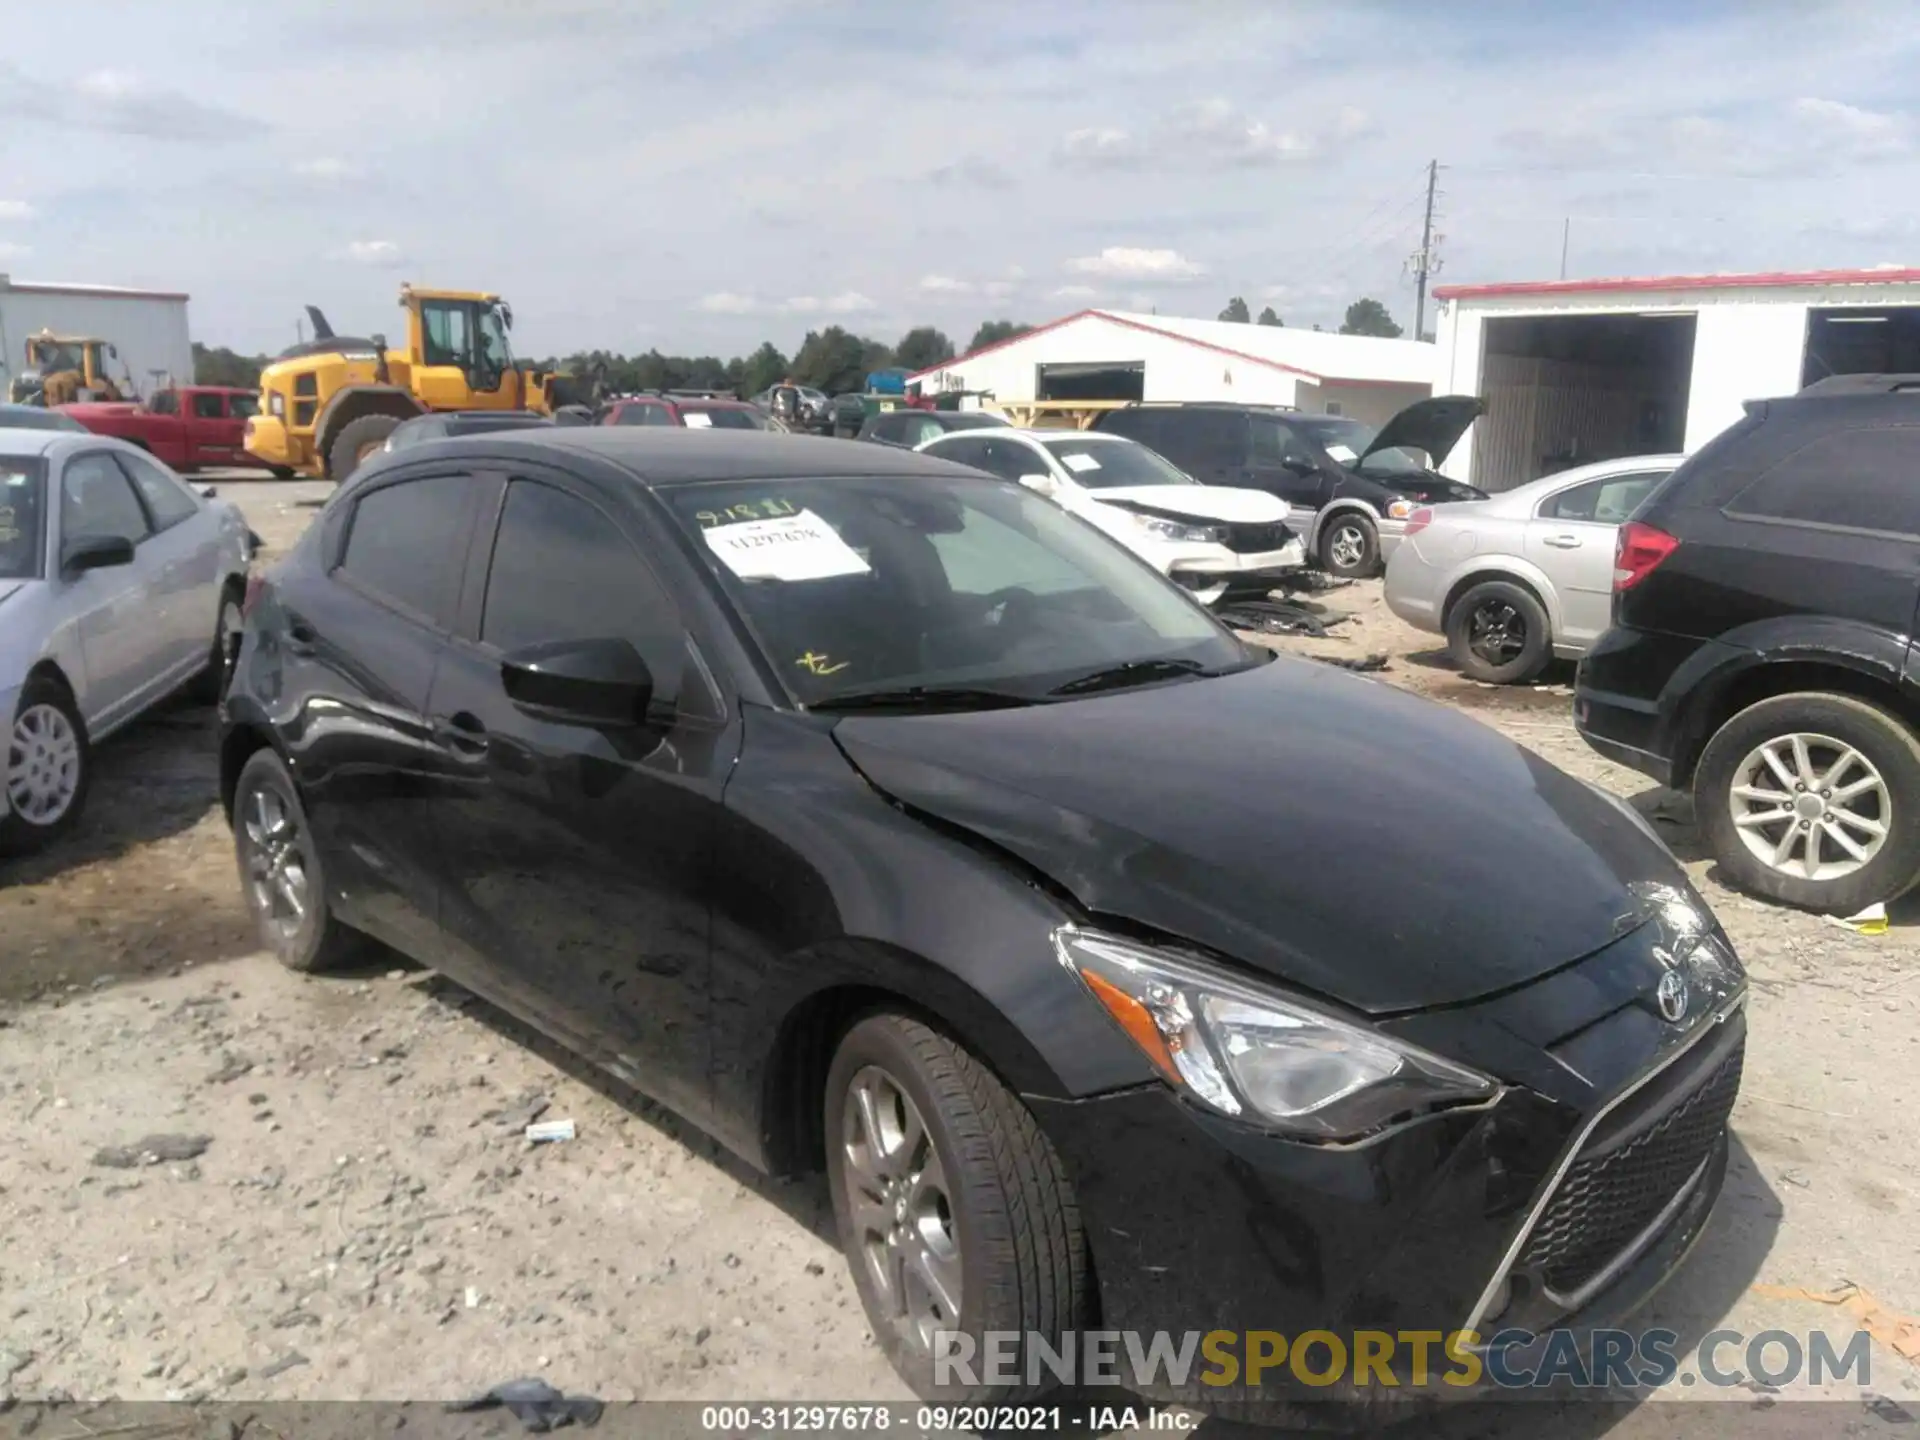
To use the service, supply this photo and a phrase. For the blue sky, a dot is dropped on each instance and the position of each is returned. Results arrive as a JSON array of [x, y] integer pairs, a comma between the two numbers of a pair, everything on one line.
[[701, 177]]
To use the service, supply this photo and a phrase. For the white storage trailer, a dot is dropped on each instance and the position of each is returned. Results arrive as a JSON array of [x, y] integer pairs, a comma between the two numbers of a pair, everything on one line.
[[1576, 371], [147, 327]]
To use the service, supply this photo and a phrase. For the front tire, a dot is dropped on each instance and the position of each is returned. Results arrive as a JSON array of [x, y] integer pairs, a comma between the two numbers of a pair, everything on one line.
[[281, 472], [1350, 547], [954, 1210], [211, 686], [48, 767], [1813, 800], [1498, 633], [358, 441], [281, 873]]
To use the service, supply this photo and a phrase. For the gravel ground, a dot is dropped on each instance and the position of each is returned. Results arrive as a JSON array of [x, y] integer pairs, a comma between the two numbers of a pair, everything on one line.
[[365, 1221]]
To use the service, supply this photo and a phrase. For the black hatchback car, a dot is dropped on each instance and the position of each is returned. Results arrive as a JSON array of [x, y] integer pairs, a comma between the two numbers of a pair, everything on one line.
[[884, 818], [1350, 485], [1765, 597]]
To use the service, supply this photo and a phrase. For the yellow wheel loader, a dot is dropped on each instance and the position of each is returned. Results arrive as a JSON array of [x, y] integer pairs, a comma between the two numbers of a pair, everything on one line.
[[62, 369], [328, 404]]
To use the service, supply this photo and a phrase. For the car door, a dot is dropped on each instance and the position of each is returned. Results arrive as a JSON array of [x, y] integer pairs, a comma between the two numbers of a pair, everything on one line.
[[122, 643], [1570, 538], [1282, 463], [577, 856], [354, 638], [213, 436], [184, 558]]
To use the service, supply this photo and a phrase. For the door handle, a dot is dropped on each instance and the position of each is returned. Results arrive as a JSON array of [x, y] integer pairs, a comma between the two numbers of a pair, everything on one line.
[[301, 638], [1564, 542], [464, 734]]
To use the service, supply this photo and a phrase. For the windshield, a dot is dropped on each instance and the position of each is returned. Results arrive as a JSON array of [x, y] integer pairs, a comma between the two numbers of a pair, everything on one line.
[[243, 407], [22, 542], [722, 417], [54, 356], [1109, 464], [1347, 440], [876, 583]]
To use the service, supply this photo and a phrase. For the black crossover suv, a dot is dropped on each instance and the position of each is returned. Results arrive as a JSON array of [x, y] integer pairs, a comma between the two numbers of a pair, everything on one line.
[[1761, 650], [886, 819]]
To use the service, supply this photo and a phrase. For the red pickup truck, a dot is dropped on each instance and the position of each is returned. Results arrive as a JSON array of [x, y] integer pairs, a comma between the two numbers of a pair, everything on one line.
[[187, 427]]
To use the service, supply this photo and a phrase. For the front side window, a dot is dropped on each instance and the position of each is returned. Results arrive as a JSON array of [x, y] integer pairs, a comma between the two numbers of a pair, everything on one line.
[[23, 543], [966, 450], [561, 571], [97, 501], [168, 501], [875, 584], [1857, 479], [449, 334], [495, 354], [243, 407], [1107, 465], [403, 545], [1270, 442], [1602, 502], [209, 407]]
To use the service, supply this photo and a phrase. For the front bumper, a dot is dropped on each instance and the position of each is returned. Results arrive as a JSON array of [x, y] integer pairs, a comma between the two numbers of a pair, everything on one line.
[[268, 440], [1220, 561], [1459, 1221]]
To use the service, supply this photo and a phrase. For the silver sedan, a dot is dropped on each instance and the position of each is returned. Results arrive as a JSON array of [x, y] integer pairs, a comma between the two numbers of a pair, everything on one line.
[[119, 584], [1525, 576]]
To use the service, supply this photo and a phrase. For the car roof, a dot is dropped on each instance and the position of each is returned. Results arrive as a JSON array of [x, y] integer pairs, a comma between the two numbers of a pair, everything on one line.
[[16, 440], [669, 455]]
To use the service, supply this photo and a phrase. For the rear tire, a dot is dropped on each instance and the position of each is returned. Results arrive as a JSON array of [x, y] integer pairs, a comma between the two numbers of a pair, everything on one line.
[[356, 444], [281, 873], [1498, 632], [46, 766], [1829, 726], [963, 1185], [281, 472], [1350, 547]]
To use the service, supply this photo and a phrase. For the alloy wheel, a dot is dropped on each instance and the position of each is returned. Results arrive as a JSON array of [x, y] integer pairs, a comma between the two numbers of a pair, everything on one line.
[[274, 853], [1810, 806], [1348, 547], [898, 1202], [1497, 632], [43, 765]]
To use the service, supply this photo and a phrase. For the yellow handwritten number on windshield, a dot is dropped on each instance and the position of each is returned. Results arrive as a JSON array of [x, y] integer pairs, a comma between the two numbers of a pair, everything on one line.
[[816, 664]]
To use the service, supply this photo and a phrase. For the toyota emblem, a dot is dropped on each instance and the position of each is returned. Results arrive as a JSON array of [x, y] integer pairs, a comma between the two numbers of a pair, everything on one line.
[[1672, 997]]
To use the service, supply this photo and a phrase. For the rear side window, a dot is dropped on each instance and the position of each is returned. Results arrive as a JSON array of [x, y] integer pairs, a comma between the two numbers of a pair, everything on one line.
[[403, 543], [970, 450], [1192, 438], [1604, 502], [1855, 479]]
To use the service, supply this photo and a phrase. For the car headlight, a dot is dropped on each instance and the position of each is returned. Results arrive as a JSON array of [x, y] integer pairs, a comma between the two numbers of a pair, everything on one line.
[[1176, 530], [1252, 1053], [1399, 508], [277, 405]]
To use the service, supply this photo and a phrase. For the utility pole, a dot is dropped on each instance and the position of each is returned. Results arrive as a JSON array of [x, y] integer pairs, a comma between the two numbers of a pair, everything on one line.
[[1566, 233], [1423, 262]]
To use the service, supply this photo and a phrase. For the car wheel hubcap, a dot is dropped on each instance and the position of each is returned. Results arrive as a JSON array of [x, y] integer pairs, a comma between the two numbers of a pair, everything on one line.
[[274, 854], [1498, 632], [1347, 547], [1810, 806], [43, 765], [897, 1203], [231, 624]]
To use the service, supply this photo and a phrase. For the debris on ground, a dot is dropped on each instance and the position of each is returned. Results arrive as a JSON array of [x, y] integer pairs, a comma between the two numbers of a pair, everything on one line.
[[1870, 921], [153, 1150], [1277, 617], [1899, 1333], [1363, 664], [283, 1363], [536, 1405], [548, 1131], [520, 1112]]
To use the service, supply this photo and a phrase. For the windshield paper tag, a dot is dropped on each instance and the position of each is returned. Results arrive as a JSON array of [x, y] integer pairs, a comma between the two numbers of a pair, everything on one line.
[[1342, 453], [696, 419], [1081, 462], [795, 547]]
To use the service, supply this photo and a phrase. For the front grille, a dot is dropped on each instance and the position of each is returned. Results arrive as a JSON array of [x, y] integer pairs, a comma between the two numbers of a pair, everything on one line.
[[1257, 539], [1614, 1192]]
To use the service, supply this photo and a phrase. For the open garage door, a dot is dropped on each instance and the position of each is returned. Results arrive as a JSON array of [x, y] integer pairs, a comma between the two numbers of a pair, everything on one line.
[[1566, 390], [1862, 340], [1093, 381]]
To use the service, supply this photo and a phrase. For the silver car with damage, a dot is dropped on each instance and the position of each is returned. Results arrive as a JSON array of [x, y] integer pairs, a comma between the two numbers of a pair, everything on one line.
[[1518, 579], [119, 584]]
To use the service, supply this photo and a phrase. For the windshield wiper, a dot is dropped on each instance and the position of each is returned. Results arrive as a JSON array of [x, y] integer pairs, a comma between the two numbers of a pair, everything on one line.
[[1130, 672], [923, 697]]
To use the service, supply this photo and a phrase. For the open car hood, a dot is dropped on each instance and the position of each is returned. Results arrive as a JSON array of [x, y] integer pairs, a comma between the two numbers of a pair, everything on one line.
[[1203, 502], [1333, 832], [1432, 426]]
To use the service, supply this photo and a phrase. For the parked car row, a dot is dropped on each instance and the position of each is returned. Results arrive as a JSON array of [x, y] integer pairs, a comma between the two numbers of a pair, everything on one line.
[[886, 819]]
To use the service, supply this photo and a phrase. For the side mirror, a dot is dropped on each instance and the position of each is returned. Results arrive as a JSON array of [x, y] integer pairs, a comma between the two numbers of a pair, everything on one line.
[[1041, 484], [96, 552], [207, 492], [599, 684]]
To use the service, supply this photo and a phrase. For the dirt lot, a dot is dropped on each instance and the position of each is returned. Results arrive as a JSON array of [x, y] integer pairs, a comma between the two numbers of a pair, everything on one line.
[[366, 1221]]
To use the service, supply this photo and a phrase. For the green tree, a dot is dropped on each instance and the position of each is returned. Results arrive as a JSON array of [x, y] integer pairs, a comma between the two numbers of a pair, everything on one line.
[[832, 360], [1367, 316], [217, 365], [1237, 311], [1267, 317], [992, 332], [922, 348], [764, 368]]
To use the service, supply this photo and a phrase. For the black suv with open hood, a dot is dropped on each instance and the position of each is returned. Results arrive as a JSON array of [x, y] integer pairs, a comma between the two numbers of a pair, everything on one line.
[[1351, 485]]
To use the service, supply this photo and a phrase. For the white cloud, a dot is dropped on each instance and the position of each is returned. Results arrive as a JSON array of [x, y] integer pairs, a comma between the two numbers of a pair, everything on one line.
[[326, 167], [11, 251], [16, 210], [1102, 148], [1123, 262], [119, 103], [376, 254], [1212, 134], [974, 171], [945, 285], [726, 302], [1073, 292], [1214, 130], [1861, 132], [850, 302]]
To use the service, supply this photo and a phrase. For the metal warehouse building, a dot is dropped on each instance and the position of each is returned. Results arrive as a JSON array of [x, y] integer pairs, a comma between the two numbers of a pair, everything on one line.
[[147, 327], [1119, 355], [1580, 370]]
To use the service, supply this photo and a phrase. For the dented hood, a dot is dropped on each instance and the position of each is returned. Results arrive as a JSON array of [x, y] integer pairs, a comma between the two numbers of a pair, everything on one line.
[[1206, 502], [1336, 833], [1432, 427]]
